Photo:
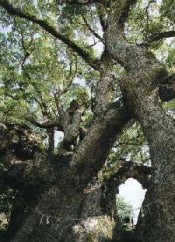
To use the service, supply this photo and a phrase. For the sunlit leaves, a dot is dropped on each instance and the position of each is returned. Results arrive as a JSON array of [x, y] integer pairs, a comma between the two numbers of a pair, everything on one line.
[[37, 74]]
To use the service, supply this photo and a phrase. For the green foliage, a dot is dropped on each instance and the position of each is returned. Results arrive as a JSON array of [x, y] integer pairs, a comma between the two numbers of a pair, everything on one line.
[[168, 10], [35, 71], [131, 146], [171, 58], [124, 210]]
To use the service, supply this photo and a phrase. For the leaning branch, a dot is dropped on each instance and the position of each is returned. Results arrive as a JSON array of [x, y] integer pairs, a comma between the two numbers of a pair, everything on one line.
[[94, 149], [94, 63]]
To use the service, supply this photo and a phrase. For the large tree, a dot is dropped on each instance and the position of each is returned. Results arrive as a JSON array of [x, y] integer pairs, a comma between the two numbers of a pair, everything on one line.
[[69, 194]]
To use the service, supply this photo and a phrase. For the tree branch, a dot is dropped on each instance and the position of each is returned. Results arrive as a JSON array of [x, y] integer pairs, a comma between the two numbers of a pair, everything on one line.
[[46, 125], [77, 2], [94, 63], [122, 7], [101, 15], [91, 30], [159, 36]]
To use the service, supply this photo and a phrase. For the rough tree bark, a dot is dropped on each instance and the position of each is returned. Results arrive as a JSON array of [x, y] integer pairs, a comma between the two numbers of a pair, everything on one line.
[[143, 71]]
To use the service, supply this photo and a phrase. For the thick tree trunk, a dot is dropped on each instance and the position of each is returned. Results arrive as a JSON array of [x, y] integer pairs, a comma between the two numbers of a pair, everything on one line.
[[141, 96], [159, 129]]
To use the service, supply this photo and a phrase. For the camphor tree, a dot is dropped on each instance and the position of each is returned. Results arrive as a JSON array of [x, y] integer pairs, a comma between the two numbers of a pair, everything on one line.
[[69, 193]]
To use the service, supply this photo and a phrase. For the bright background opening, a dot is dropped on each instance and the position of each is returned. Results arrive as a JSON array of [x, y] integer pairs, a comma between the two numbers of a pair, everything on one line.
[[133, 193]]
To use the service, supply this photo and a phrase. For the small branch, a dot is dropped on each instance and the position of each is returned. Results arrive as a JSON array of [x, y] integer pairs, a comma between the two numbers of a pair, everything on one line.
[[159, 36], [77, 2], [91, 30], [92, 45]]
